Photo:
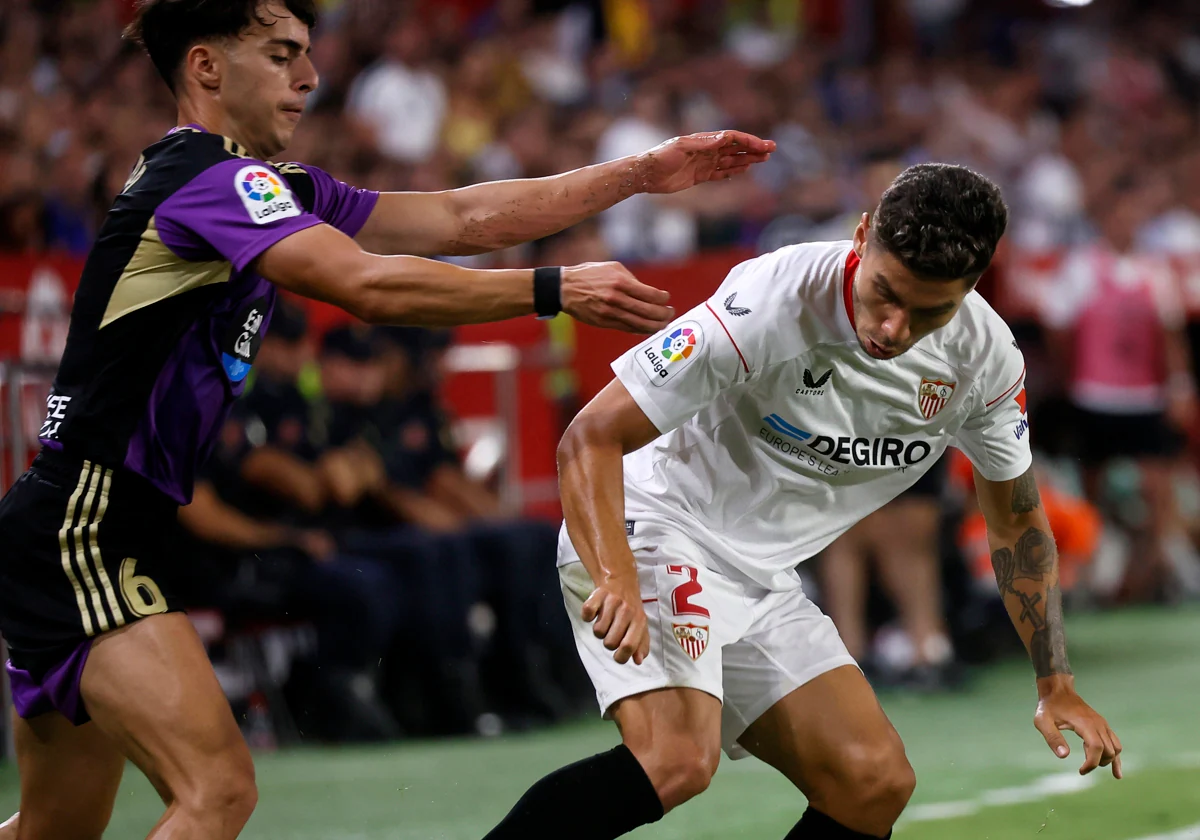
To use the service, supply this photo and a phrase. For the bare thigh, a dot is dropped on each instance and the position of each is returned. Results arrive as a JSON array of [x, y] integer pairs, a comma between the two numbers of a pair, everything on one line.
[[150, 687], [69, 779], [831, 738]]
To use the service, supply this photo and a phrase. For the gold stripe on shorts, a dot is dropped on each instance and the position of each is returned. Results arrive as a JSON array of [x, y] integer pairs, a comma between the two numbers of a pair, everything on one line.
[[93, 550], [64, 543], [82, 565]]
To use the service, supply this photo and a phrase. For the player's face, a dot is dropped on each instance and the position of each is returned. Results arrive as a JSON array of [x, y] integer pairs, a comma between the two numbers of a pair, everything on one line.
[[268, 79], [894, 308]]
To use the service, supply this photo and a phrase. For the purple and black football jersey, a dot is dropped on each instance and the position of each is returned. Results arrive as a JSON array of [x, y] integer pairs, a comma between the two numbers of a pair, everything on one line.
[[169, 313]]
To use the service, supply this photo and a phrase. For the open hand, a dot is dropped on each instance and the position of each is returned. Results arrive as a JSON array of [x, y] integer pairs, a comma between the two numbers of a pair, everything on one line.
[[683, 162], [620, 619], [607, 295], [1062, 709]]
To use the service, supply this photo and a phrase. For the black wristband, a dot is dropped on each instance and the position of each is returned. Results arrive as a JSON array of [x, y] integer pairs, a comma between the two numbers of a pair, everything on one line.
[[547, 291]]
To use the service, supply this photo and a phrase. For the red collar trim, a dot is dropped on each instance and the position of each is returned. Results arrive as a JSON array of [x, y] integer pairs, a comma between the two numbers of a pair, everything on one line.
[[847, 286]]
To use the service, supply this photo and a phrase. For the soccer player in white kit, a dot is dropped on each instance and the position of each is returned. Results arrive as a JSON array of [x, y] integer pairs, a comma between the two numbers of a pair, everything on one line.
[[818, 382]]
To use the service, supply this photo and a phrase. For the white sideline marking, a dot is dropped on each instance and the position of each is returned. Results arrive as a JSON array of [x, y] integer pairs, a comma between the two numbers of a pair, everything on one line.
[[1042, 788], [1057, 783], [1191, 832]]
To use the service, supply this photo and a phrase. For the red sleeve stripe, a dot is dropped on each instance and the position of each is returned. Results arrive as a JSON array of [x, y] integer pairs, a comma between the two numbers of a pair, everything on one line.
[[731, 341], [1010, 389]]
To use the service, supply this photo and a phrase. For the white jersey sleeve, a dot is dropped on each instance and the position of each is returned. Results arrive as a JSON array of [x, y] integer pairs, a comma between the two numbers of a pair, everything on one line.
[[721, 344], [995, 436]]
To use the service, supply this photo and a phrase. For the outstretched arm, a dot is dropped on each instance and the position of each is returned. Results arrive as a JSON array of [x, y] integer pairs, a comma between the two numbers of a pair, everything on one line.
[[323, 263], [1025, 561], [499, 214]]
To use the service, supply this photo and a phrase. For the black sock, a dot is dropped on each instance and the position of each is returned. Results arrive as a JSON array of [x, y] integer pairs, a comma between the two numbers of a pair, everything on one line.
[[817, 826], [599, 798]]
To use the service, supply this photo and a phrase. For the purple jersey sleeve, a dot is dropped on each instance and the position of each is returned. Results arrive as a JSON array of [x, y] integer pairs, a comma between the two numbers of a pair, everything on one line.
[[237, 209], [339, 204]]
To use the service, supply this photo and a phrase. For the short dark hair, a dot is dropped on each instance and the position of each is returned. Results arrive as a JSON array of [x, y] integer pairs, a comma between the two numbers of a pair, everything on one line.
[[167, 29], [942, 222]]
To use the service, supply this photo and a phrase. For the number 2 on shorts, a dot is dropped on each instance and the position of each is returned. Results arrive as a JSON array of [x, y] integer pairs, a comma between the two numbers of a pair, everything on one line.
[[682, 594]]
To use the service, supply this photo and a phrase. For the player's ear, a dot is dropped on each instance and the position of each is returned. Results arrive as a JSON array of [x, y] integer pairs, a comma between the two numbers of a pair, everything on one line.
[[860, 234], [202, 64]]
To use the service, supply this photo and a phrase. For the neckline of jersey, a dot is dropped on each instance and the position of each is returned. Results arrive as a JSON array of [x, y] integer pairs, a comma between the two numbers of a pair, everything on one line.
[[848, 286]]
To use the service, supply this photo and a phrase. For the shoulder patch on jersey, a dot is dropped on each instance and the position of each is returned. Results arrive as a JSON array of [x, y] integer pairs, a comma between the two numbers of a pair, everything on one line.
[[264, 194], [661, 358]]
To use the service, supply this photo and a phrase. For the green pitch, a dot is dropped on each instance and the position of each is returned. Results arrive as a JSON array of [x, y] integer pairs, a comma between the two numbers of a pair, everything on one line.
[[983, 772]]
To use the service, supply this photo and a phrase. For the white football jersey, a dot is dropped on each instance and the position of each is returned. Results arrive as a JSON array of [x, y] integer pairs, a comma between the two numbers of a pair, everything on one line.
[[780, 432]]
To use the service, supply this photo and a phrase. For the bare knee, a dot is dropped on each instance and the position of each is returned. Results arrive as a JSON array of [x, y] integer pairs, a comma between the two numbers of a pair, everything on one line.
[[870, 788], [223, 794], [679, 768]]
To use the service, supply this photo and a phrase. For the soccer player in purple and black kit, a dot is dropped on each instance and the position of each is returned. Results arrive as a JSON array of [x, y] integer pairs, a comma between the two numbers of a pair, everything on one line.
[[173, 303]]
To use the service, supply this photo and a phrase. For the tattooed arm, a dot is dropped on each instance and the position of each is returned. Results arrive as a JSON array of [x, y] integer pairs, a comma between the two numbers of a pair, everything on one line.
[[1025, 561]]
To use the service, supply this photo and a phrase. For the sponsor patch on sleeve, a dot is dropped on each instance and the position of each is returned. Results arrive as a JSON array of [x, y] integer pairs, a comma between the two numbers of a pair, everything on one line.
[[665, 355], [264, 194]]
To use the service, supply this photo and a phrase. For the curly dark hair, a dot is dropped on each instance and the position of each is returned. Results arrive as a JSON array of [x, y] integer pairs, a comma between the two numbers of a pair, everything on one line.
[[167, 29], [942, 222]]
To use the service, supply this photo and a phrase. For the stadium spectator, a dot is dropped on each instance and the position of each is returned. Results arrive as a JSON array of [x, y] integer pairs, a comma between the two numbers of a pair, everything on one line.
[[1118, 325], [511, 559], [902, 541], [416, 538], [266, 488], [402, 97]]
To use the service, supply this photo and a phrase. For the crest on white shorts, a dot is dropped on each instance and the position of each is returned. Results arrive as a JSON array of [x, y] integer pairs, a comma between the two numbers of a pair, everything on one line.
[[933, 395], [692, 638]]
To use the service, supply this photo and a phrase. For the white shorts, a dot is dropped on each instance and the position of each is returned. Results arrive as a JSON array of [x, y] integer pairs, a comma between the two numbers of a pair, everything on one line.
[[747, 646]]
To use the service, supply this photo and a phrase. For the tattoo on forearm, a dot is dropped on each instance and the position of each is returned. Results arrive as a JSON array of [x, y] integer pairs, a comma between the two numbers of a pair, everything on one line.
[[1032, 559], [1048, 645], [1025, 496]]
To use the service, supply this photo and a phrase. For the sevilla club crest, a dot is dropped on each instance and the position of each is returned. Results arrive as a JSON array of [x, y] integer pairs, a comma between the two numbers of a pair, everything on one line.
[[933, 395], [692, 638]]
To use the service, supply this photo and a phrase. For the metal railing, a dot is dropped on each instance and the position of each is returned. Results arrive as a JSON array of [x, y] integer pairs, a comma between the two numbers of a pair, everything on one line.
[[24, 387], [495, 444]]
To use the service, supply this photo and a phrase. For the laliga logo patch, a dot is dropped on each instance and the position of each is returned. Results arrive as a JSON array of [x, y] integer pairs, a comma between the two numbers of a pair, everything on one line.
[[667, 354], [692, 638], [264, 194]]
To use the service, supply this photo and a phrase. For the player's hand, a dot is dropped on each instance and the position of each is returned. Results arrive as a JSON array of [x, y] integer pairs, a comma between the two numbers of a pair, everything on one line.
[[320, 546], [615, 608], [607, 295], [1061, 708], [684, 162]]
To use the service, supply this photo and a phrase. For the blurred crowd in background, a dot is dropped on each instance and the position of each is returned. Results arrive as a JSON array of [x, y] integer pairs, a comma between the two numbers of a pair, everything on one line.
[[1053, 104], [337, 497]]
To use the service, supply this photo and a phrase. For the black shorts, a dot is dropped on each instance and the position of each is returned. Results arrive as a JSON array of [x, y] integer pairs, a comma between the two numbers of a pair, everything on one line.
[[929, 485], [83, 550], [1100, 437]]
